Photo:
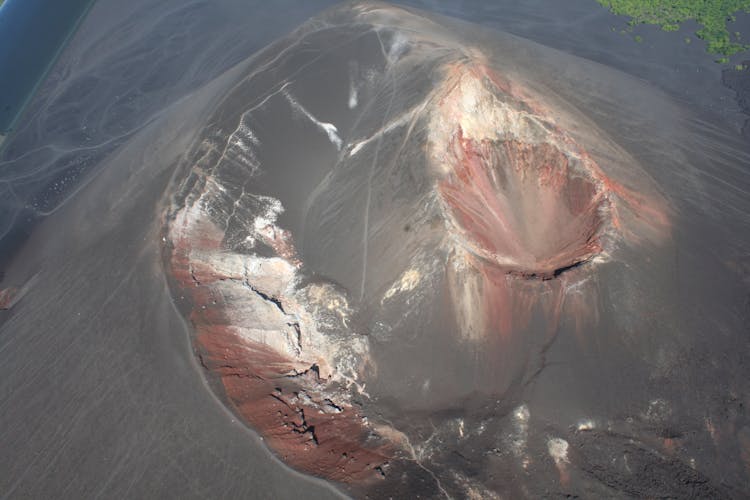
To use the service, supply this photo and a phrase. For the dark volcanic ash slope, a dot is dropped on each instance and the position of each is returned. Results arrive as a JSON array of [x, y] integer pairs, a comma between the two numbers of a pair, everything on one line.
[[391, 231]]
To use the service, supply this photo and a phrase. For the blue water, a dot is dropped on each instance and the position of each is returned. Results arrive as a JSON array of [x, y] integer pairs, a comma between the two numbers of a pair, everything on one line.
[[32, 34]]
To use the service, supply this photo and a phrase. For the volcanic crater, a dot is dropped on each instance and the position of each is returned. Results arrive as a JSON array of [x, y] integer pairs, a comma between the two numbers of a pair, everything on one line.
[[517, 191]]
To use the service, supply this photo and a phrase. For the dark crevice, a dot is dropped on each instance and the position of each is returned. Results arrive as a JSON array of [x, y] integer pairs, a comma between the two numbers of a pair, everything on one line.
[[563, 269], [195, 279], [304, 428], [298, 333], [313, 371], [380, 470], [274, 300], [203, 362], [548, 275], [333, 405]]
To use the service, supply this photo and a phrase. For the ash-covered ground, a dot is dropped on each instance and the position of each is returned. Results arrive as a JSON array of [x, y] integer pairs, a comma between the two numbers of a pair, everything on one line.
[[417, 256]]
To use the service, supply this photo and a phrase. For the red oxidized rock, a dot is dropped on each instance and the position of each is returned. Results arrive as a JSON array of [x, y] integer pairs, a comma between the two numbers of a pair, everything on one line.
[[8, 297]]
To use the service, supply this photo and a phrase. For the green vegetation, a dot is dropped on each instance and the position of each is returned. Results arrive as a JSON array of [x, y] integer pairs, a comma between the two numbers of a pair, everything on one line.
[[712, 15]]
